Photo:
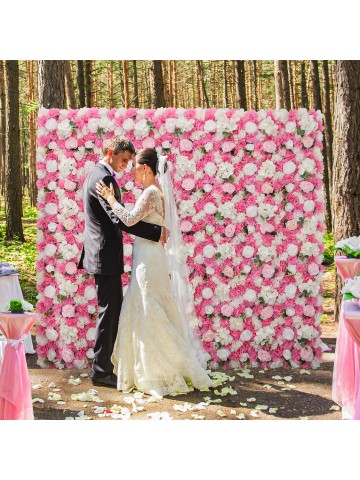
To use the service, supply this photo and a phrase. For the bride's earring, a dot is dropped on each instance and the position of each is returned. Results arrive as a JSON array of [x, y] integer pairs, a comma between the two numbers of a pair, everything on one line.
[[144, 177]]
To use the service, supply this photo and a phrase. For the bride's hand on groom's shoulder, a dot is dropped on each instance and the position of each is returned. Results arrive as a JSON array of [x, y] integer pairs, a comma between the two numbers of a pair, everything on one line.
[[104, 191], [165, 234]]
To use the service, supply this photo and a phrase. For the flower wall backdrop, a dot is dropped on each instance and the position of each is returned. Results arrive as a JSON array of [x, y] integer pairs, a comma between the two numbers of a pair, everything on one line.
[[249, 192]]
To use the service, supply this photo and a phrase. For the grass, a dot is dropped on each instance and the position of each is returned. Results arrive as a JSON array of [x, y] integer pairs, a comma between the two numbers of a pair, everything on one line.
[[22, 256]]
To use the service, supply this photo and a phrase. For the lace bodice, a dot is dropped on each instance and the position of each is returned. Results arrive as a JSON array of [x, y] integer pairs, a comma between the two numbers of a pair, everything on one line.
[[148, 207]]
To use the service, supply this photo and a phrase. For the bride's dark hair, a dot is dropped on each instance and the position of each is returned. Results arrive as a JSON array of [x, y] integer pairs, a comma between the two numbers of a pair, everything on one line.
[[148, 156]]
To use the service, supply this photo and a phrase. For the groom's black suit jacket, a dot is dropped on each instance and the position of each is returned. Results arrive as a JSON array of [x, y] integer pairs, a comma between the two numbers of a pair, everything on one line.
[[103, 242]]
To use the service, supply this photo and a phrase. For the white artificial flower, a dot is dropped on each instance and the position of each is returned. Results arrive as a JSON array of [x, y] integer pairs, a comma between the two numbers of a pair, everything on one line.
[[128, 124], [288, 333], [51, 166], [289, 167], [207, 293], [308, 249], [51, 334], [246, 335], [51, 208], [90, 292], [248, 251], [210, 208], [64, 129], [225, 170], [90, 334], [210, 169], [267, 169], [209, 251], [250, 295], [251, 127], [249, 169], [50, 250], [49, 291], [223, 353], [292, 250], [251, 211], [290, 290]]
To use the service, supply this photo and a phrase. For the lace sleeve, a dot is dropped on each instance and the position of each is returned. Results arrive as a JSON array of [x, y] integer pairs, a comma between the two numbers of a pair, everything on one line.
[[144, 205]]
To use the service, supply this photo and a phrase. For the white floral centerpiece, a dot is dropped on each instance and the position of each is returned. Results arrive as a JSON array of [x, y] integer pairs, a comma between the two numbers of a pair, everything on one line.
[[350, 246], [17, 306], [351, 289]]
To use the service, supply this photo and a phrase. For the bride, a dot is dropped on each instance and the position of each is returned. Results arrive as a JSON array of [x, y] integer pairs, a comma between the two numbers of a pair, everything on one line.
[[156, 350]]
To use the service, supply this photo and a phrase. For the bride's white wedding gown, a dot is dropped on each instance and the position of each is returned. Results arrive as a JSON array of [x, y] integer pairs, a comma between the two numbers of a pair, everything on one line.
[[151, 352]]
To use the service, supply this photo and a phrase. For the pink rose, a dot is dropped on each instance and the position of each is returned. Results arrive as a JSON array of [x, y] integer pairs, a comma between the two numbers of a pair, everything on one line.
[[291, 225], [71, 143], [71, 268], [229, 230], [67, 355], [307, 142], [186, 226], [188, 184], [264, 356], [307, 354], [306, 187], [228, 146], [148, 142], [309, 310], [68, 311], [228, 272], [269, 146], [313, 268], [227, 310], [69, 224], [186, 145], [266, 312], [267, 188], [267, 228], [268, 271], [208, 336], [228, 188], [69, 185]]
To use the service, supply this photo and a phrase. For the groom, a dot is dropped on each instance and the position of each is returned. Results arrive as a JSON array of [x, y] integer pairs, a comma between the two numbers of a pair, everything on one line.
[[102, 253]]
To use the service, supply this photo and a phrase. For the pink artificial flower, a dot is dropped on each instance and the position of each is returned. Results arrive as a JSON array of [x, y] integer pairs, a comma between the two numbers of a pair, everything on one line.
[[228, 271], [71, 268], [208, 336], [269, 146], [188, 183], [227, 310], [68, 311], [69, 185], [69, 224], [186, 145], [267, 228], [228, 188], [267, 188], [308, 142], [291, 225], [307, 354], [268, 271], [228, 146], [309, 310], [264, 356], [186, 226], [306, 187], [229, 230], [313, 268], [148, 142], [267, 312]]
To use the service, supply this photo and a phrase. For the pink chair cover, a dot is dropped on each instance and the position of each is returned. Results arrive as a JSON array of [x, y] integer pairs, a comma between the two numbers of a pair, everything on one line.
[[346, 375], [15, 388]]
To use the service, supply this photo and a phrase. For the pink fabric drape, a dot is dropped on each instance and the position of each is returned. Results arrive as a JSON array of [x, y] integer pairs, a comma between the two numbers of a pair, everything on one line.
[[346, 375], [15, 388]]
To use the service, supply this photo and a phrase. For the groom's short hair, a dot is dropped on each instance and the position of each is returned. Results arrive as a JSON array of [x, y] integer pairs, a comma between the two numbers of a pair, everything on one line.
[[118, 144]]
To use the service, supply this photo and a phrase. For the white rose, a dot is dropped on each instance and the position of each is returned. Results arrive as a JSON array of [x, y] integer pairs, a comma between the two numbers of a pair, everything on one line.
[[51, 355], [209, 251], [209, 309], [50, 250], [90, 292], [51, 124], [128, 124], [292, 250], [90, 353], [290, 290], [90, 334], [51, 166], [289, 167], [246, 335], [51, 334], [223, 353], [309, 206], [208, 187], [210, 229], [290, 127], [207, 293], [209, 126], [251, 211], [267, 169], [251, 127], [249, 169], [247, 269], [51, 185], [51, 208], [250, 295], [288, 333], [64, 129], [210, 208], [287, 354], [49, 291], [289, 187], [248, 251], [210, 169]]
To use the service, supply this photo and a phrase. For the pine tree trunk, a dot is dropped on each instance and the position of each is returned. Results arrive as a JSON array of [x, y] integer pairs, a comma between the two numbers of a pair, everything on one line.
[[279, 91], [80, 83], [136, 87], [286, 84], [204, 97], [291, 84], [3, 125], [260, 82], [13, 168], [70, 92], [51, 75], [255, 82], [240, 83], [304, 94], [156, 84], [88, 83], [294, 89], [346, 178], [31, 89], [328, 142], [175, 90], [226, 94], [315, 81]]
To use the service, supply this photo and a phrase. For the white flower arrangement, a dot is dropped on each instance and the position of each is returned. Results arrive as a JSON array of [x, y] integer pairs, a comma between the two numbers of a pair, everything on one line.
[[351, 288], [350, 246]]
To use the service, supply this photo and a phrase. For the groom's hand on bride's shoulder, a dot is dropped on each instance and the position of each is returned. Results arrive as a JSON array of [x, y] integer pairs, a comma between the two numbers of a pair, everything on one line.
[[165, 234]]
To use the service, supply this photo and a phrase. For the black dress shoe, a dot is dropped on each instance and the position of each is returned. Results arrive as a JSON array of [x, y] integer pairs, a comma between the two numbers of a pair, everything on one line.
[[108, 381]]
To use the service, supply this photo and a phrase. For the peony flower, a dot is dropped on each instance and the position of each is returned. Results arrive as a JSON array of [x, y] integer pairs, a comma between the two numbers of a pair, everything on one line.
[[68, 311], [188, 184], [264, 356]]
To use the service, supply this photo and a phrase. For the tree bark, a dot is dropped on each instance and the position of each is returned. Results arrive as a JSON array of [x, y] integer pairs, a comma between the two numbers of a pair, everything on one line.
[[51, 75], [136, 87], [315, 81], [88, 83], [291, 84], [200, 68], [279, 90], [80, 83], [304, 94], [226, 94], [286, 84], [70, 92], [125, 69], [156, 84], [346, 178], [255, 80], [3, 124], [241, 84], [31, 93], [13, 197]]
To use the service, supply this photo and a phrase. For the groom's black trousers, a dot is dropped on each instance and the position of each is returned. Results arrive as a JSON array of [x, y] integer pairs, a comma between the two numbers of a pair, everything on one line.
[[110, 297]]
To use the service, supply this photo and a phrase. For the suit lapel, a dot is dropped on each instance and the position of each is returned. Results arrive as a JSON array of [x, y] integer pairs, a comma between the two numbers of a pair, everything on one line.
[[116, 186]]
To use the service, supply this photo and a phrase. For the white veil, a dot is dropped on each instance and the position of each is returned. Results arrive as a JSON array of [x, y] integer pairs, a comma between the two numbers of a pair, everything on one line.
[[176, 253]]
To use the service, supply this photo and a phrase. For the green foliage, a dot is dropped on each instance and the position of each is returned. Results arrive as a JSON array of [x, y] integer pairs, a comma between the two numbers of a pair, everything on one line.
[[329, 249], [16, 306]]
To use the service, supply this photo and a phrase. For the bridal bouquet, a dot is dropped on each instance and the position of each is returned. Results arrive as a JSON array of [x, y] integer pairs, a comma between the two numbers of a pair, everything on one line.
[[350, 246], [17, 306], [351, 289]]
